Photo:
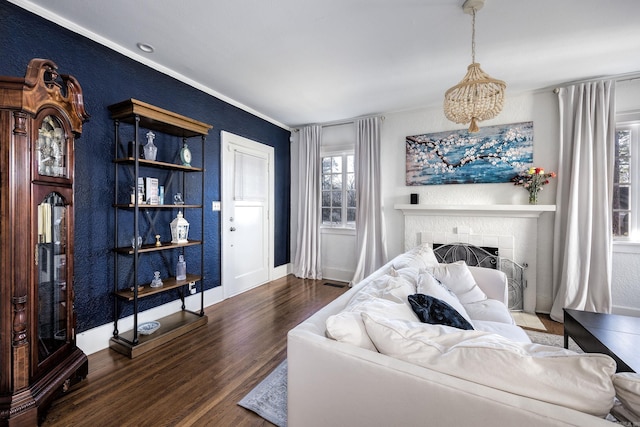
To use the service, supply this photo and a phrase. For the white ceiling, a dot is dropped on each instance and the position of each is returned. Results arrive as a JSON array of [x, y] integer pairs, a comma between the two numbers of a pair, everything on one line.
[[296, 62]]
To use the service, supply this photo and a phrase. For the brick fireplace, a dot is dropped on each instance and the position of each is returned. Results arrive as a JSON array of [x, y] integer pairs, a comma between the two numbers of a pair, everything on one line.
[[513, 229]]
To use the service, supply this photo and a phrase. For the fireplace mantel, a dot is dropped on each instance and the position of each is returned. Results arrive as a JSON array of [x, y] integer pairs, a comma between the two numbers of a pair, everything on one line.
[[503, 211]]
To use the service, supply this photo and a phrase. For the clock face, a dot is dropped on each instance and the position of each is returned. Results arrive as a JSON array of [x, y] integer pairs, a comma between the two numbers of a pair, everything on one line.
[[51, 148], [185, 154]]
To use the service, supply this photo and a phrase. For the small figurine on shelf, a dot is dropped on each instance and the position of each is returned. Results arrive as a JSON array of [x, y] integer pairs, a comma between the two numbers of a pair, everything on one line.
[[150, 150], [181, 268], [138, 240], [158, 240], [156, 282]]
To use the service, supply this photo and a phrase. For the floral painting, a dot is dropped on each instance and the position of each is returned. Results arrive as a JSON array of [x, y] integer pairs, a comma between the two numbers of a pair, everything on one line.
[[494, 154]]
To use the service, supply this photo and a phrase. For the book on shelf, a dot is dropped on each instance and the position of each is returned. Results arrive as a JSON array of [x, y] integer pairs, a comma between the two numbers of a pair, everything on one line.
[[151, 190]]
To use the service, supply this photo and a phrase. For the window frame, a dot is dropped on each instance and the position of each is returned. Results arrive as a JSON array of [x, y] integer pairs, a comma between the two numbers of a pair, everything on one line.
[[344, 153], [631, 122]]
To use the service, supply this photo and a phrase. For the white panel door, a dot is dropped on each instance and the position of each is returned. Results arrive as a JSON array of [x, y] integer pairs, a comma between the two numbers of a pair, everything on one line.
[[247, 196]]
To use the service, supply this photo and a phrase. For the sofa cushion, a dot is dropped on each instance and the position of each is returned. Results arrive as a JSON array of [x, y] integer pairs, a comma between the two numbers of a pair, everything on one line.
[[411, 274], [388, 294], [551, 374], [437, 312], [347, 326], [512, 332], [458, 278], [421, 256], [392, 288], [489, 309], [627, 385]]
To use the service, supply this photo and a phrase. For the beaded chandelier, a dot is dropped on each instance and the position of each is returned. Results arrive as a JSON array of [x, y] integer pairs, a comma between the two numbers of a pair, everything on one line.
[[478, 96]]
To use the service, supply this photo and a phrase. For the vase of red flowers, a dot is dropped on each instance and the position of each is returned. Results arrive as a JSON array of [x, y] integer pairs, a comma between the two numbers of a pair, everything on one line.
[[532, 180]]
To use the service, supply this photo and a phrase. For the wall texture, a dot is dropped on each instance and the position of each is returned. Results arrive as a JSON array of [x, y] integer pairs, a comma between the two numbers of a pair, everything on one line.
[[108, 77], [542, 108]]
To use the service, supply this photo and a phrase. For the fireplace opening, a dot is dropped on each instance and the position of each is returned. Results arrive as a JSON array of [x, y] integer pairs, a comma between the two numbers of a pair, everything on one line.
[[481, 256]]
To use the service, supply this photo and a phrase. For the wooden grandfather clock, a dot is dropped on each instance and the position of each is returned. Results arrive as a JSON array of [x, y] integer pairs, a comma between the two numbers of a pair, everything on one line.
[[41, 115]]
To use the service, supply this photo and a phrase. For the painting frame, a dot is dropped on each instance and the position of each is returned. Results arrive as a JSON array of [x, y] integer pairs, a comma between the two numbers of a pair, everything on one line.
[[495, 154]]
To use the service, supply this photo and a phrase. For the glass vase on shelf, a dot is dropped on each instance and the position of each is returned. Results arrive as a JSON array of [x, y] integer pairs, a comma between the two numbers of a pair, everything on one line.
[[533, 197], [150, 150], [181, 268]]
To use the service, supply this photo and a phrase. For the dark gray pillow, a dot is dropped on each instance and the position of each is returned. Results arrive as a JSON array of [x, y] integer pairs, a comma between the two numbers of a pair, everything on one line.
[[437, 312]]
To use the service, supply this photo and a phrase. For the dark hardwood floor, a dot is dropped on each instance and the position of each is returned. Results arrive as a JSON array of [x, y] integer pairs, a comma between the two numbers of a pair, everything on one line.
[[552, 326], [197, 379]]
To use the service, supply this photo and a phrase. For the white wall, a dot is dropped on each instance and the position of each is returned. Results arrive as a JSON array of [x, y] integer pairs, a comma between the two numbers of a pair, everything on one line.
[[540, 107]]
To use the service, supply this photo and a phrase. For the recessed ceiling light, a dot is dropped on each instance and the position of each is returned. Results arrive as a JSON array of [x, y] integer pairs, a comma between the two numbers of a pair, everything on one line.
[[147, 48]]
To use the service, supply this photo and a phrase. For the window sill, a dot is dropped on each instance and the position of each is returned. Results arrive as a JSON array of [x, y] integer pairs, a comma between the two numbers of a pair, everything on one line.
[[338, 230], [626, 247]]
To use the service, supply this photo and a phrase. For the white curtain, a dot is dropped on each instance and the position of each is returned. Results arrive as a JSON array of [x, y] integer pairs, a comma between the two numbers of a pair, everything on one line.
[[307, 263], [583, 230], [371, 244]]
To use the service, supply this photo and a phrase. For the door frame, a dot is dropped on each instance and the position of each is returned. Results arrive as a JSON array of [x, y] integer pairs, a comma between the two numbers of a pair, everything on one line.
[[226, 154]]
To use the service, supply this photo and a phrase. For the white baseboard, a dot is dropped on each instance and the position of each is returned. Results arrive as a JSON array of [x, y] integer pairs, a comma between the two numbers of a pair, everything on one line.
[[616, 309], [97, 339], [625, 311], [337, 274], [281, 271]]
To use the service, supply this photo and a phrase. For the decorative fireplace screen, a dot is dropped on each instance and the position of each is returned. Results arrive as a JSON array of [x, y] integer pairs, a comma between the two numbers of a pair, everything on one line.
[[488, 258]]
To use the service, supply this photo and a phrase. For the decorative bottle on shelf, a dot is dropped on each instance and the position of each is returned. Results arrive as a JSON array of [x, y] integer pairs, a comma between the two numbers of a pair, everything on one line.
[[181, 268], [150, 150]]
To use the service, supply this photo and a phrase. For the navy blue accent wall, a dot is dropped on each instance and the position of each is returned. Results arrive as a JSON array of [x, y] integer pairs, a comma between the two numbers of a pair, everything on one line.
[[108, 77]]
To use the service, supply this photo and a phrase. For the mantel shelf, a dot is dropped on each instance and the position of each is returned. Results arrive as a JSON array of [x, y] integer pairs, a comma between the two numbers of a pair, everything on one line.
[[503, 211]]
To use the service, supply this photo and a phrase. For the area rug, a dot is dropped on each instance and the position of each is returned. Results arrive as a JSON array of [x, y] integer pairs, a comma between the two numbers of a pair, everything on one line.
[[551, 339], [269, 398], [528, 320]]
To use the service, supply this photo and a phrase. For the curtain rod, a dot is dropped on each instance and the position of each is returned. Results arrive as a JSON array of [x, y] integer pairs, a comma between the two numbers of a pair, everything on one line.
[[618, 78], [342, 122]]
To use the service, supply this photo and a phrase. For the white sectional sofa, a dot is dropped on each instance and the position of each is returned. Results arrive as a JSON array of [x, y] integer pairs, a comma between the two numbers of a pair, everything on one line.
[[362, 361]]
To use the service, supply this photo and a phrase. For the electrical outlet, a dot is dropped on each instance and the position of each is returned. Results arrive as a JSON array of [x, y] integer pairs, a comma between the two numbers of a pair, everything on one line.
[[215, 206], [192, 288]]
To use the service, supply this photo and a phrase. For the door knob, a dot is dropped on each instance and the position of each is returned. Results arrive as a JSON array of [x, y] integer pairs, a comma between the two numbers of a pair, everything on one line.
[[232, 229]]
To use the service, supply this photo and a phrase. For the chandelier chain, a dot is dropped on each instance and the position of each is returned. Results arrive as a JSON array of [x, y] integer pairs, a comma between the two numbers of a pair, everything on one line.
[[473, 36]]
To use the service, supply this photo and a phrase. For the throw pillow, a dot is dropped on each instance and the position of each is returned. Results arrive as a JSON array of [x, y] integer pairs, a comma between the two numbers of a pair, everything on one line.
[[458, 278], [627, 386], [425, 251], [429, 285], [550, 374], [437, 312]]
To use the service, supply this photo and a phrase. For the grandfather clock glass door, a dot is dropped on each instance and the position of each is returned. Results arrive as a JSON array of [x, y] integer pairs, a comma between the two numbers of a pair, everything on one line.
[[52, 275]]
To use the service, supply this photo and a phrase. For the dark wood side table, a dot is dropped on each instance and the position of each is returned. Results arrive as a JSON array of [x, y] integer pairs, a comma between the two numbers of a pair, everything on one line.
[[612, 334]]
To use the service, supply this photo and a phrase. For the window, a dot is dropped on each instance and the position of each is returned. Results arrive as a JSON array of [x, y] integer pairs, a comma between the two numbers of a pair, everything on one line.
[[338, 191], [626, 190]]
